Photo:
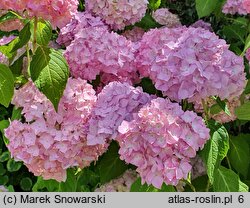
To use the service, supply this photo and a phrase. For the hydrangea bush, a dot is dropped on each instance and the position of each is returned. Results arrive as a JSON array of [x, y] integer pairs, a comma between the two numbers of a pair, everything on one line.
[[128, 95]]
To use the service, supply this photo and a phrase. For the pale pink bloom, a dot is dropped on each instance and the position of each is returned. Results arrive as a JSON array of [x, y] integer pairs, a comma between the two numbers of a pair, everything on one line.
[[236, 6], [190, 63], [164, 17], [160, 140], [118, 14], [50, 142]]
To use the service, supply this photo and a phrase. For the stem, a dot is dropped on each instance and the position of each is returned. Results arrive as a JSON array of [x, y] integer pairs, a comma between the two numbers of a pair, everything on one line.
[[34, 38], [228, 162], [190, 185], [205, 108], [28, 59], [208, 186]]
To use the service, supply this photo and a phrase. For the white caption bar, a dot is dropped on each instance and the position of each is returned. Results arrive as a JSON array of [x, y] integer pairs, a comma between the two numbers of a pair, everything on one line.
[[124, 200]]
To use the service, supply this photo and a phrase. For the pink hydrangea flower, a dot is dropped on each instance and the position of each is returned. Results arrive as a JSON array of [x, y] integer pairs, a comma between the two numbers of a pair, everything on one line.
[[118, 14], [248, 54], [160, 141], [121, 184], [49, 142], [164, 17], [202, 24], [81, 20], [116, 102], [97, 50], [246, 5], [58, 12], [190, 63], [235, 6]]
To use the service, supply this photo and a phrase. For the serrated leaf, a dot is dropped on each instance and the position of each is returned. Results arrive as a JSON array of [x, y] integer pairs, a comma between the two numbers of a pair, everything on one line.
[[147, 22], [16, 114], [49, 71], [5, 156], [109, 165], [87, 178], [6, 85], [205, 7], [226, 180], [138, 187], [239, 154], [215, 150], [243, 112]]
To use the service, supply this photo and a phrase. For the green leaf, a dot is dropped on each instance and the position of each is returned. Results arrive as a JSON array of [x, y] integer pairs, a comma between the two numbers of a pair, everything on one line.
[[2, 170], [6, 85], [87, 178], [247, 44], [233, 32], [215, 109], [70, 184], [5, 156], [7, 16], [11, 188], [239, 154], [26, 184], [49, 185], [154, 4], [109, 165], [4, 180], [205, 7], [138, 187], [8, 51], [13, 166], [226, 180], [215, 150], [43, 32], [24, 37], [222, 105], [16, 114], [200, 184], [147, 22], [243, 112], [50, 73]]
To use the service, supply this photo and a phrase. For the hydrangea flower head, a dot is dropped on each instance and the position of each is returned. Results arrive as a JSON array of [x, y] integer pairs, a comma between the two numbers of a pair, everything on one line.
[[115, 103], [81, 20], [118, 14], [160, 141], [235, 6], [164, 17], [58, 12], [49, 142], [97, 50], [190, 63]]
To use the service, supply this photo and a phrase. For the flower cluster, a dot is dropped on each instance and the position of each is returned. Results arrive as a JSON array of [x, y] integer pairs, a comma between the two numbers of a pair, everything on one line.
[[97, 50], [190, 63], [246, 5], [121, 184], [160, 141], [164, 17], [58, 12], [50, 142], [198, 167], [116, 102], [202, 24], [81, 20], [236, 6], [118, 14]]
